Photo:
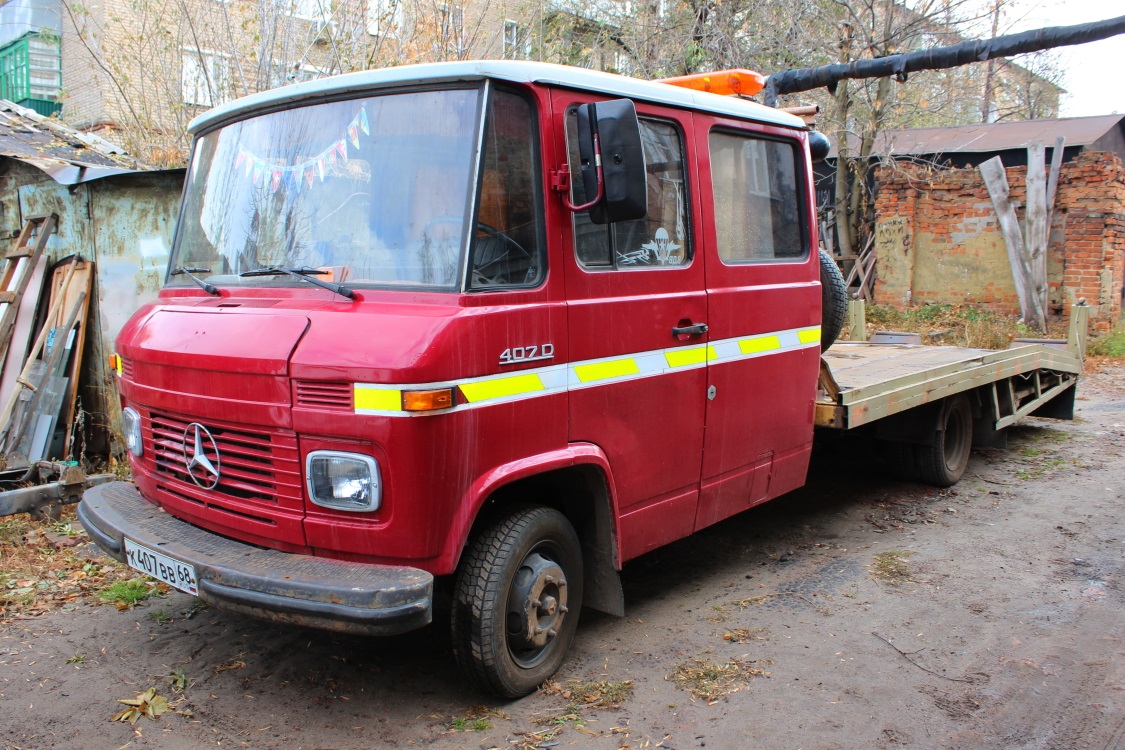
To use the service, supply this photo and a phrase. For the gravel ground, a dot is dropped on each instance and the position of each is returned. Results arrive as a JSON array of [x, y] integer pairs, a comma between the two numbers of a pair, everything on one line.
[[860, 612]]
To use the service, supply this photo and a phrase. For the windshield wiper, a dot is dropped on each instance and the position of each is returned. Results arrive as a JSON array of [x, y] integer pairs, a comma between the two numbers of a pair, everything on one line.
[[190, 273], [308, 274]]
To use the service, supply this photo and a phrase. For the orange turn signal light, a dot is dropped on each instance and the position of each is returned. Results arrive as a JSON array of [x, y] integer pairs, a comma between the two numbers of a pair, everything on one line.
[[427, 400], [724, 82], [115, 363]]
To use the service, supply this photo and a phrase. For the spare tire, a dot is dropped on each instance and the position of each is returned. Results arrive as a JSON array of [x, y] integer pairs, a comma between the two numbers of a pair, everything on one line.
[[834, 301]]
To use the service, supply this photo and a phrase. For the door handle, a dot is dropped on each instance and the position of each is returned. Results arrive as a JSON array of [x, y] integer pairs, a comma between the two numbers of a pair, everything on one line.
[[692, 330]]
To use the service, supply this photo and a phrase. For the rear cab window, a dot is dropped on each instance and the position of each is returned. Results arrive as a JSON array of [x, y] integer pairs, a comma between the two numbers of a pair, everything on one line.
[[757, 193]]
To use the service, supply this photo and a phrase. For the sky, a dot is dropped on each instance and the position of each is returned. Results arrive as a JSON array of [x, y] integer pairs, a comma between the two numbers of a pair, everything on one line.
[[1092, 71]]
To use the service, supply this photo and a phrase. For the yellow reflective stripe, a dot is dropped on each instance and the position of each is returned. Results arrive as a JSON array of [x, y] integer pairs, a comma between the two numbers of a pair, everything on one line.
[[387, 399], [604, 370], [377, 399], [695, 356], [809, 335], [759, 344], [486, 390]]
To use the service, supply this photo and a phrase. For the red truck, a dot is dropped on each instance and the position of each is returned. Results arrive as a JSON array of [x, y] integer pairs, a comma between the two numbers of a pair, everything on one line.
[[499, 325]]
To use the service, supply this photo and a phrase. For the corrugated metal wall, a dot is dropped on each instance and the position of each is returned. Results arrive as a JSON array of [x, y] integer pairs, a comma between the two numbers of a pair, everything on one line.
[[123, 223]]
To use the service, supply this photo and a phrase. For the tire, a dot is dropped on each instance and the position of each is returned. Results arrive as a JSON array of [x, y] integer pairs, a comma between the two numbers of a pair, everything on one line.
[[833, 299], [525, 563], [943, 462]]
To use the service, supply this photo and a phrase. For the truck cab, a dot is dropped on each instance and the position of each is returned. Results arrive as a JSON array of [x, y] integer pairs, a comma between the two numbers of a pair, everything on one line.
[[411, 331]]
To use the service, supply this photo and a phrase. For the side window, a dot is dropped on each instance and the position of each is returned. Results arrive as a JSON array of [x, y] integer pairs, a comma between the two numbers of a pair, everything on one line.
[[660, 239], [757, 199], [506, 241]]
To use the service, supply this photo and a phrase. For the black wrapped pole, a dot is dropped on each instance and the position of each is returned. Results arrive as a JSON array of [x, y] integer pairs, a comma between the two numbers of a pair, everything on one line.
[[937, 58]]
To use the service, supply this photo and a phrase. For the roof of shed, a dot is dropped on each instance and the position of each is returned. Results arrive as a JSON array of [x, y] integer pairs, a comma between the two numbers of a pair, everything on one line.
[[994, 136], [65, 154]]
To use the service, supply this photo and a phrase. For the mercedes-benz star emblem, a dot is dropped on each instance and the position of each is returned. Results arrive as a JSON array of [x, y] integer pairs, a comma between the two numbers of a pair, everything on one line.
[[198, 443]]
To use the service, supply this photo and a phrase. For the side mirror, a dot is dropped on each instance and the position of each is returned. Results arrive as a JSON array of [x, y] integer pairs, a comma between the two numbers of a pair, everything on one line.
[[613, 162], [818, 146]]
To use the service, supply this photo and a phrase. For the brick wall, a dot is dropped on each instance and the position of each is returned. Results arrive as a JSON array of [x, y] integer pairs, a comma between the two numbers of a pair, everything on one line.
[[938, 239]]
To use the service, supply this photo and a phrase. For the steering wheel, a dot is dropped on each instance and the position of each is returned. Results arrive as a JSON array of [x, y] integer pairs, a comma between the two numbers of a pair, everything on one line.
[[487, 273], [507, 251]]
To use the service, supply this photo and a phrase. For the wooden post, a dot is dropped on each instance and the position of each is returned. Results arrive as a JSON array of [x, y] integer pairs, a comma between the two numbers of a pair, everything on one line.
[[997, 183], [857, 320], [1036, 226], [1053, 181], [1079, 327]]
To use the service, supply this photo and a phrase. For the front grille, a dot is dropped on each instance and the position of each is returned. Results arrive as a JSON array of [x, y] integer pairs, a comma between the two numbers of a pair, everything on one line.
[[189, 500], [258, 465], [126, 368], [323, 395]]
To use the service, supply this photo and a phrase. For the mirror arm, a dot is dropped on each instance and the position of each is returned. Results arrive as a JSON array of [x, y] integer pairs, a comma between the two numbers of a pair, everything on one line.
[[601, 184]]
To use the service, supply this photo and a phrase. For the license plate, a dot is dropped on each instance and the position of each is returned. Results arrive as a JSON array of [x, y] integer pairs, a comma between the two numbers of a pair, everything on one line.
[[161, 567]]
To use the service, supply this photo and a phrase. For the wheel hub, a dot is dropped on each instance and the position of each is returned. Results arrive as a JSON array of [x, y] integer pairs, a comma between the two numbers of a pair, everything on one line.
[[536, 604]]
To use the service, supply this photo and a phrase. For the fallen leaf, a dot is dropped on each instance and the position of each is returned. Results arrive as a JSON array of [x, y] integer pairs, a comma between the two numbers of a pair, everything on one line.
[[147, 704], [227, 666]]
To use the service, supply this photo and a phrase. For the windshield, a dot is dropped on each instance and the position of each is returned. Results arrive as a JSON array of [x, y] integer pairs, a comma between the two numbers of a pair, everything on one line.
[[370, 191]]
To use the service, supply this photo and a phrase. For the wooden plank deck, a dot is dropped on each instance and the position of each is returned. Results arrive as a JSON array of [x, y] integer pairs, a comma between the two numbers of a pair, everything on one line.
[[877, 380]]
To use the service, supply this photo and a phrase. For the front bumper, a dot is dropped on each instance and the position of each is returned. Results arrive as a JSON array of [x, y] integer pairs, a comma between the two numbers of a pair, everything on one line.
[[311, 591]]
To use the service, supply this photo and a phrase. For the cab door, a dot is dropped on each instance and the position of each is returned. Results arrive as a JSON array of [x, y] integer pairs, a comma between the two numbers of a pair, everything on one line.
[[636, 314], [763, 309]]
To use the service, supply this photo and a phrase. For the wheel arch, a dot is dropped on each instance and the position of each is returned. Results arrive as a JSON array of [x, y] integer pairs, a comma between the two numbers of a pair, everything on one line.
[[577, 482]]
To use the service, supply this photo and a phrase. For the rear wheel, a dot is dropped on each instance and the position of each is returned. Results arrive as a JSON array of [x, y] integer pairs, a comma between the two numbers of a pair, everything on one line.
[[942, 462], [517, 595]]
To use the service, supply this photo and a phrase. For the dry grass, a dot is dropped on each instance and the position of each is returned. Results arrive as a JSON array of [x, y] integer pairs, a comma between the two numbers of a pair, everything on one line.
[[745, 635], [958, 325], [476, 719], [45, 565], [891, 567], [710, 681], [602, 694]]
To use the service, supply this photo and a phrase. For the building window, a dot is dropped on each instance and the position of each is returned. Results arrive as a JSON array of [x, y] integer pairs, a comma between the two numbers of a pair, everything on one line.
[[206, 78], [31, 73], [515, 45], [312, 10], [384, 17]]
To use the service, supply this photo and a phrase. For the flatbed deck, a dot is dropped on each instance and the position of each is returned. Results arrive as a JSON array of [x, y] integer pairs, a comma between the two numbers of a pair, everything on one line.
[[863, 382]]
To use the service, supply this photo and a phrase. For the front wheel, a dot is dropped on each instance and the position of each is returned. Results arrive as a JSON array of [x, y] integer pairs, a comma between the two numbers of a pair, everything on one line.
[[517, 595]]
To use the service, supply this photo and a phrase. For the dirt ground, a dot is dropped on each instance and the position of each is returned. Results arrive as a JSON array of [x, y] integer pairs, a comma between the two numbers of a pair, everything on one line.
[[861, 612]]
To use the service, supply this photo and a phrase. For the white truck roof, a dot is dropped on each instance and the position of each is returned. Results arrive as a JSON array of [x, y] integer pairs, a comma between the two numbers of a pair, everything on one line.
[[516, 71]]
